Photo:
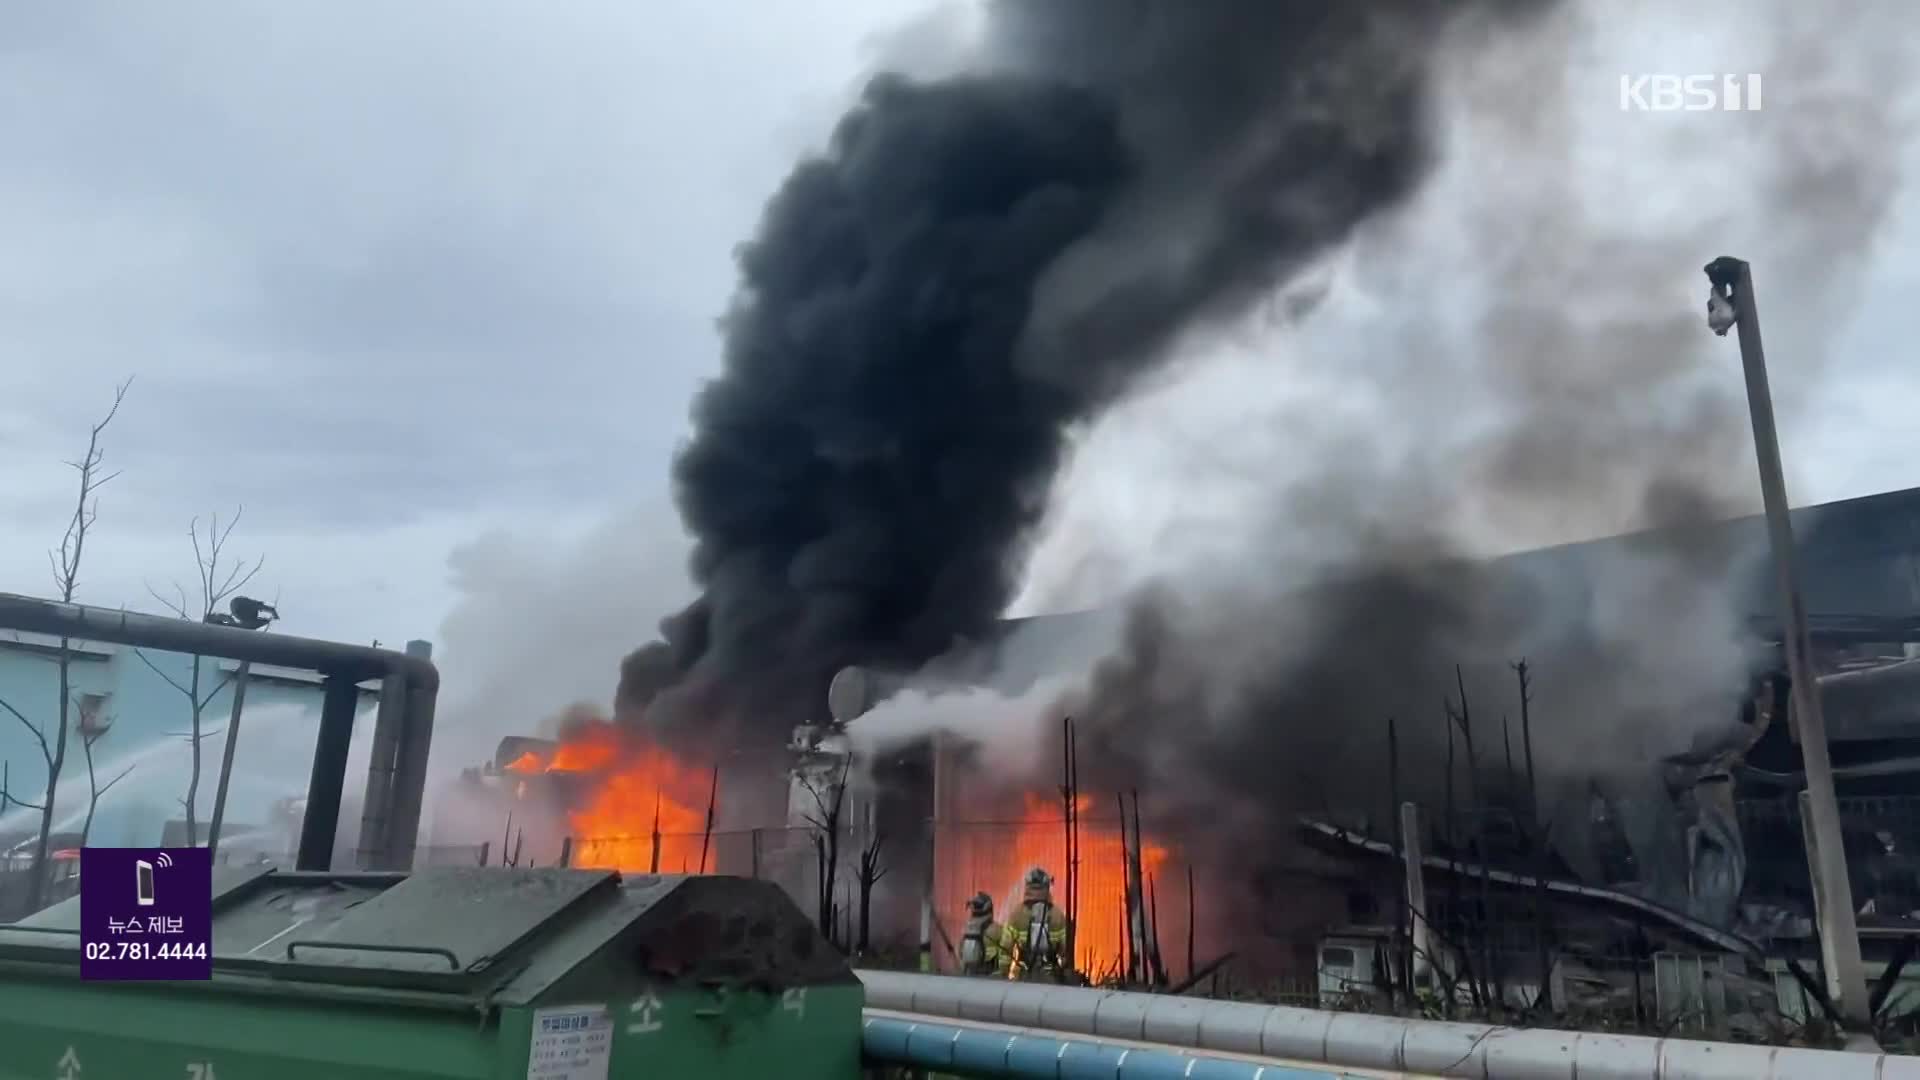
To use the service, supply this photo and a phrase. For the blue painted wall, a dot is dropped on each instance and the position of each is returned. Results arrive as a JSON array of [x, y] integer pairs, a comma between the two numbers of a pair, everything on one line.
[[149, 718]]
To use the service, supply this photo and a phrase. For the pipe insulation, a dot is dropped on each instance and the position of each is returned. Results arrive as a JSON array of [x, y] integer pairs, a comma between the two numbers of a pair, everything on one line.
[[1349, 1041], [403, 728], [977, 1051]]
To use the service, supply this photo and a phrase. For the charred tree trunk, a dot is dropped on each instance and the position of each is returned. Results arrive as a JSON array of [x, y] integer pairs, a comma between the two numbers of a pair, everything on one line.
[[1537, 846], [1456, 929], [1070, 803], [1191, 920], [871, 870], [653, 863], [1137, 892], [1130, 958], [1402, 924], [1489, 959], [713, 797]]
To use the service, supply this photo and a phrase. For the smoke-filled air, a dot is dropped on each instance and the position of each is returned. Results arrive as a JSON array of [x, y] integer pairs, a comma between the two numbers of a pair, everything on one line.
[[1262, 324], [1516, 357], [1497, 351], [974, 266]]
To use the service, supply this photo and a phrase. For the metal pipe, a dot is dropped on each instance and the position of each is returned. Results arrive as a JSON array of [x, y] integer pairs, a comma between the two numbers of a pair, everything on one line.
[[329, 777], [382, 771], [351, 664], [1732, 280], [226, 759], [410, 767], [974, 1050], [113, 626], [1348, 1042]]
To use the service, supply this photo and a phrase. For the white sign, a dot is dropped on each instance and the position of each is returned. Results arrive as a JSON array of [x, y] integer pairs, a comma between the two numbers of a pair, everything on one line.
[[1689, 93], [646, 1013], [201, 1070], [573, 1042], [795, 1002], [69, 1065]]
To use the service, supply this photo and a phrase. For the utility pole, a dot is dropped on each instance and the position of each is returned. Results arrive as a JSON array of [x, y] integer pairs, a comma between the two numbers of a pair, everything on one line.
[[1730, 304], [1411, 848]]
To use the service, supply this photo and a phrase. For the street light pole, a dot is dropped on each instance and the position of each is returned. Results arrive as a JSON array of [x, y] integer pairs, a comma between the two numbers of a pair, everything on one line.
[[1731, 304]]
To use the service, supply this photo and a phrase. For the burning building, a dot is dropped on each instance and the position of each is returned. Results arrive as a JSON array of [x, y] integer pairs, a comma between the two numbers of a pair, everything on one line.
[[1686, 852], [975, 266]]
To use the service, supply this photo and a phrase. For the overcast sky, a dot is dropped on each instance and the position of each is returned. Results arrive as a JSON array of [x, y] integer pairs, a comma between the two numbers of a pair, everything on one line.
[[426, 288], [385, 282]]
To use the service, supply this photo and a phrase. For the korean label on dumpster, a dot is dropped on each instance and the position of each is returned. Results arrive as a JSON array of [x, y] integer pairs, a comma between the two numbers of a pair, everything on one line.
[[146, 913], [574, 1042]]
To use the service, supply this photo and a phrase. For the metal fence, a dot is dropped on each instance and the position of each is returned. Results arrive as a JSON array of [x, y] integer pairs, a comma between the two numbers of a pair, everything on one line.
[[1881, 835], [993, 857], [970, 857]]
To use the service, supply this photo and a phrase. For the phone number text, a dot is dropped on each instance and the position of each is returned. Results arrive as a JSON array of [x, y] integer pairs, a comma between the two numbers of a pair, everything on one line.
[[144, 950]]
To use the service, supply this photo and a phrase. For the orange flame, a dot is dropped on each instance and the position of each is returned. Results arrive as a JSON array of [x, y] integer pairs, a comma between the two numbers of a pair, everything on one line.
[[643, 792], [994, 859], [590, 749], [593, 749]]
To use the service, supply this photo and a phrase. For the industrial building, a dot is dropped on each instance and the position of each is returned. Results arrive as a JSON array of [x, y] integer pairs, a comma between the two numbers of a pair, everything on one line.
[[1635, 885]]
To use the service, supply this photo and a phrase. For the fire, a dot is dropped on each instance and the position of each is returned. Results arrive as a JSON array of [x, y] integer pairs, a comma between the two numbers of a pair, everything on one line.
[[994, 859], [595, 749], [647, 812]]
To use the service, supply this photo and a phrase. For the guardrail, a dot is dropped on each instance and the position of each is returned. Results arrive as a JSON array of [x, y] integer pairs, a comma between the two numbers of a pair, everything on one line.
[[1352, 1041]]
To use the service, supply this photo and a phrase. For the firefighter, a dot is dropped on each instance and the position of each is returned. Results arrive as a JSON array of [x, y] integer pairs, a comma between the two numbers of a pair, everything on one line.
[[1034, 939], [980, 945]]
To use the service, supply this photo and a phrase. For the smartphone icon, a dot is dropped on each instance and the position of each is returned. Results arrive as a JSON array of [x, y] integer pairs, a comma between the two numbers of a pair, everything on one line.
[[144, 888]]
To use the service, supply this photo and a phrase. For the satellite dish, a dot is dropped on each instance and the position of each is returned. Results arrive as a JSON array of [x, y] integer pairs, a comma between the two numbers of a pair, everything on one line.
[[850, 694]]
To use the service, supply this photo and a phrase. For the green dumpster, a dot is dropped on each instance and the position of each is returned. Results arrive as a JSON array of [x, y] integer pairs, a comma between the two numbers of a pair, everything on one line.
[[471, 972]]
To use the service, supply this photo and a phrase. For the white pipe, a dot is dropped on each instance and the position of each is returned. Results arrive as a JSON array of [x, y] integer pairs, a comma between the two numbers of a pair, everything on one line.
[[1360, 1041]]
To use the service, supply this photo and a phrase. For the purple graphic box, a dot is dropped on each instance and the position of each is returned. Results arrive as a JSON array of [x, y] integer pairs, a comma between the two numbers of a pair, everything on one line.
[[146, 913]]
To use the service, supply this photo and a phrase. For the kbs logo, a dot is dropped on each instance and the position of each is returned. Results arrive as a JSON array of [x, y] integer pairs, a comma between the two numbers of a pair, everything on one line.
[[1689, 93]]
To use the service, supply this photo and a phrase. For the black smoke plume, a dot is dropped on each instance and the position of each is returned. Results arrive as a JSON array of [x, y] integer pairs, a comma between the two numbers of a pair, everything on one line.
[[970, 268], [1569, 390]]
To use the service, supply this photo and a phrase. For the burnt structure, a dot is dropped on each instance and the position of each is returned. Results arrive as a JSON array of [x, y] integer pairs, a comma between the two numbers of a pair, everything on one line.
[[1698, 853], [1704, 842], [1698, 863], [1731, 852]]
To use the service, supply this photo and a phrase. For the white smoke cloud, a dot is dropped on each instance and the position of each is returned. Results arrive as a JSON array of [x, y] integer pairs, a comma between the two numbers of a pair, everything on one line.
[[541, 623], [1003, 728]]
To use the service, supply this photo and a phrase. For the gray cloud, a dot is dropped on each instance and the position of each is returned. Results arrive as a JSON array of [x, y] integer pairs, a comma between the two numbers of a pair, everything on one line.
[[405, 277]]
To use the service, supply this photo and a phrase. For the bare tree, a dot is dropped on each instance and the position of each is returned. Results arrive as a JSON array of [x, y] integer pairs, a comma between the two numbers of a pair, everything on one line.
[[217, 580], [65, 562], [872, 869], [829, 805], [91, 730], [1537, 848]]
